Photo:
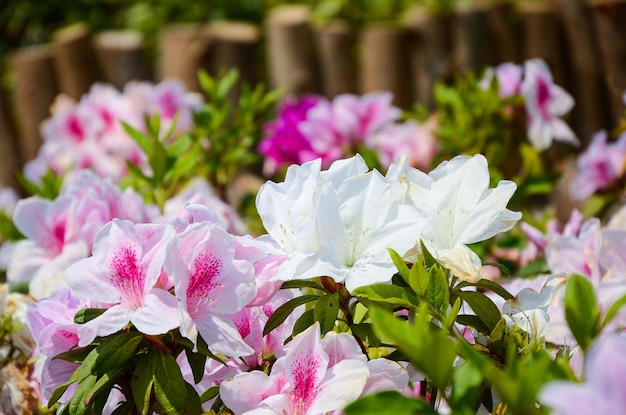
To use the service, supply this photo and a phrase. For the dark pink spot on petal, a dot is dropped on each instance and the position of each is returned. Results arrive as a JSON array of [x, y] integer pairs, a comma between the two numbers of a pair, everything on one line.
[[304, 369], [128, 276], [202, 284]]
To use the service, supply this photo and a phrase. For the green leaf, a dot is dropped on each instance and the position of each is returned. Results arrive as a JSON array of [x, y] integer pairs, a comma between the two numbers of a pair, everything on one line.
[[482, 306], [306, 320], [400, 264], [365, 331], [282, 312], [287, 285], [485, 284], [467, 381], [428, 259], [169, 386], [87, 314], [613, 310], [385, 295], [209, 394], [437, 292], [428, 348], [116, 351], [139, 137], [581, 309], [193, 405], [325, 312], [142, 383], [158, 160], [197, 361], [388, 403], [125, 408], [474, 322], [226, 83]]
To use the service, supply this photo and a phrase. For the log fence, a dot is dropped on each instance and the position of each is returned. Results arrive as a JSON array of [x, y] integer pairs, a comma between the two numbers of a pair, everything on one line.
[[583, 42]]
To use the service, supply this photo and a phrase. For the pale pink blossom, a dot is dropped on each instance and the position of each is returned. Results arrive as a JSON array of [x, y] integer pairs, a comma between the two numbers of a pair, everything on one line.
[[59, 232], [124, 270], [415, 141], [600, 166], [509, 76], [210, 283], [545, 104], [603, 391], [306, 381]]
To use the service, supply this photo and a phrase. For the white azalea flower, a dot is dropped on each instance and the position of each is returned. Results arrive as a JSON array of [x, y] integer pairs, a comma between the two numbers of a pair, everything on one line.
[[337, 223], [460, 209], [529, 308]]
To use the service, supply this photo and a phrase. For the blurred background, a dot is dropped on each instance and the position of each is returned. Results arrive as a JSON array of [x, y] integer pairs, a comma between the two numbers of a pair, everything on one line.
[[327, 47]]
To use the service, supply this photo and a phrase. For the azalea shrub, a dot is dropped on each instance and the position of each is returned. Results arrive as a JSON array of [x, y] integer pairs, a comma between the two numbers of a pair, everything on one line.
[[398, 271]]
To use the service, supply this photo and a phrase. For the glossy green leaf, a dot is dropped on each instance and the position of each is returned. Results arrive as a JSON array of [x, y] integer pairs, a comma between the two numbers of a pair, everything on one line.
[[142, 384], [116, 351], [386, 295], [613, 310], [482, 306], [197, 361], [582, 311], [437, 292], [303, 322], [326, 311], [388, 403], [169, 386], [87, 314], [287, 285], [282, 312]]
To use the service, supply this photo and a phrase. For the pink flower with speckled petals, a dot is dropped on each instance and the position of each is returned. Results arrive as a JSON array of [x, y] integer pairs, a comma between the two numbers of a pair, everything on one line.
[[545, 103], [124, 270], [210, 283], [306, 381]]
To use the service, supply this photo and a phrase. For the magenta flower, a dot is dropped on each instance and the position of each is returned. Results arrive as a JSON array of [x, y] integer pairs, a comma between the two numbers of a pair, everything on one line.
[[210, 283], [124, 270], [599, 166], [545, 103], [603, 391], [283, 143]]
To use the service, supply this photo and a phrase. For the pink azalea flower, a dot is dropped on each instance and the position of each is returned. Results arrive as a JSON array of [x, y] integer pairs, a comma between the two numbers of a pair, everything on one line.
[[599, 166], [199, 192], [416, 141], [125, 267], [51, 321], [509, 77], [284, 143], [603, 391], [306, 381], [545, 103], [167, 98], [62, 231], [210, 283]]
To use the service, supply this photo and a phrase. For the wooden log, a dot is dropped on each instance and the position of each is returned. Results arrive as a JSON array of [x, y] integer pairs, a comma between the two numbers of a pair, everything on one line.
[[292, 60], [588, 88], [384, 63], [487, 35], [234, 45], [431, 52], [74, 60], [8, 147], [336, 51], [544, 37], [610, 21], [121, 56], [34, 92], [182, 49]]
